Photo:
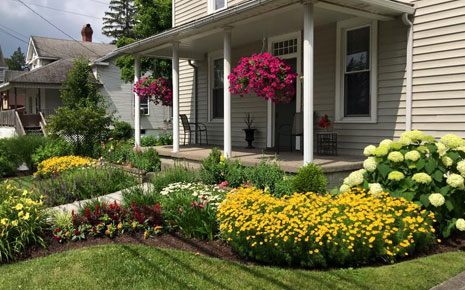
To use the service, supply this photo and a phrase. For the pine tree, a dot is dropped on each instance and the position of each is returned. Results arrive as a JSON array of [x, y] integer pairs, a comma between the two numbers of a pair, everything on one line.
[[17, 61], [120, 20]]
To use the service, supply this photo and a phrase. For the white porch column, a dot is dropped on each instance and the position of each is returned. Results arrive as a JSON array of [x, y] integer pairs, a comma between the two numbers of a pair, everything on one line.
[[227, 94], [136, 102], [175, 66], [308, 83]]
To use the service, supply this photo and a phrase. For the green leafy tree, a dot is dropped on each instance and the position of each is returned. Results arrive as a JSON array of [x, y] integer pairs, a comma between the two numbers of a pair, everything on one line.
[[83, 118], [119, 21], [17, 60], [151, 17]]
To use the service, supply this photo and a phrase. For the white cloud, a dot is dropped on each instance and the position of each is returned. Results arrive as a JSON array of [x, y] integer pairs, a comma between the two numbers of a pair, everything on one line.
[[15, 16]]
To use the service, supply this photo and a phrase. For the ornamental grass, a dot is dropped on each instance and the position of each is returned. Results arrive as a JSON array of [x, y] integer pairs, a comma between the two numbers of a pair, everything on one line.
[[313, 230], [55, 165], [22, 221]]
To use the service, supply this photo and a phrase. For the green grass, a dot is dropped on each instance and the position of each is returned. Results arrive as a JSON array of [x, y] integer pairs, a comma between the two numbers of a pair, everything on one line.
[[25, 182], [142, 267]]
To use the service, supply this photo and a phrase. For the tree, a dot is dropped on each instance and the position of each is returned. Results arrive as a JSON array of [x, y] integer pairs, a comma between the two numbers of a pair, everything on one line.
[[119, 21], [83, 118], [17, 60], [151, 17]]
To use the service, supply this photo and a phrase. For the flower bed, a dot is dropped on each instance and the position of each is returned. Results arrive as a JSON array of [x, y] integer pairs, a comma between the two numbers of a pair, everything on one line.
[[22, 221], [420, 169], [314, 230], [55, 165]]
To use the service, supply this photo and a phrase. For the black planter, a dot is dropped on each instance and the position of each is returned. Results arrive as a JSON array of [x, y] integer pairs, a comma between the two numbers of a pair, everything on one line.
[[249, 137]]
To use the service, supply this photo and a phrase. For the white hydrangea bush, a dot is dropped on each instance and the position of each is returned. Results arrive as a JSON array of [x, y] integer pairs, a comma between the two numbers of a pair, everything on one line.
[[419, 168]]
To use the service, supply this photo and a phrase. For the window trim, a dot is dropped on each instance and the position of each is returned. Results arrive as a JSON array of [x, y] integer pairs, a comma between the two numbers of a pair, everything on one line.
[[211, 6], [342, 28], [148, 108], [212, 56]]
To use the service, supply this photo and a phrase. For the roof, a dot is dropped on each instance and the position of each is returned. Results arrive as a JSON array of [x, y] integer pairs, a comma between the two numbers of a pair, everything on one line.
[[2, 60], [65, 49], [53, 73]]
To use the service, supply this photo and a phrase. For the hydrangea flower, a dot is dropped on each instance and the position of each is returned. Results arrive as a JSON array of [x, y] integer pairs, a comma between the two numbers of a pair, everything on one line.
[[375, 188], [370, 164], [396, 145], [423, 149], [355, 178], [436, 199], [428, 139], [386, 143], [381, 151], [396, 156], [405, 141], [422, 178], [455, 180], [461, 167], [369, 150], [344, 188], [396, 175], [412, 155], [447, 161], [415, 135], [460, 225], [452, 141], [442, 149]]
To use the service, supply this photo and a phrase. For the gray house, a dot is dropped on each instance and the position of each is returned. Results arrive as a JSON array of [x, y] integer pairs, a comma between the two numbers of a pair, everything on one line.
[[35, 94]]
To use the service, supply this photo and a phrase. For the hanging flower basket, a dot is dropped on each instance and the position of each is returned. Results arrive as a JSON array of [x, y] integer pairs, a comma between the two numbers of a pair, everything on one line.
[[159, 91], [268, 76]]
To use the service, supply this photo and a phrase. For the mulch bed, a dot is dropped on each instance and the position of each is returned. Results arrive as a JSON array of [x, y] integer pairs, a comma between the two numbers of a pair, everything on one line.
[[215, 249]]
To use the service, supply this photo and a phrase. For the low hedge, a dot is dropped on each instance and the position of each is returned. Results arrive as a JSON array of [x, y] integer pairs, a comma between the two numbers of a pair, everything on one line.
[[313, 230]]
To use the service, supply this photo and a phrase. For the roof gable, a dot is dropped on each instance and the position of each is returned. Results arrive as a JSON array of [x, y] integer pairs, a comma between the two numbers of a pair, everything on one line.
[[2, 59]]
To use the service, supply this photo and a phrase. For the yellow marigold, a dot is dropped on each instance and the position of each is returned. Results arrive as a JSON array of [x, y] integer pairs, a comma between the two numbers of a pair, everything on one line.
[[56, 165]]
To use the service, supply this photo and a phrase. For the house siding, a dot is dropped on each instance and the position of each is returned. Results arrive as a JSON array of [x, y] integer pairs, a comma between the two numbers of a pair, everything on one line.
[[121, 100], [439, 67], [188, 10]]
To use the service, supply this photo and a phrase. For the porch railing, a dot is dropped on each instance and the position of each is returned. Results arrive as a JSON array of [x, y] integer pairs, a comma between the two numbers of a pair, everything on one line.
[[43, 123], [19, 125], [7, 118]]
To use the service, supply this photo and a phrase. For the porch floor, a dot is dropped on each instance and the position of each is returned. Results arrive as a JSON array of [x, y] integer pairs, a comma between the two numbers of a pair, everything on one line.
[[289, 161]]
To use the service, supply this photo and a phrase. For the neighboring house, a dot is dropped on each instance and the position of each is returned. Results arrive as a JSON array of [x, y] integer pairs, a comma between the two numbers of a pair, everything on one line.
[[3, 66], [376, 67], [35, 94]]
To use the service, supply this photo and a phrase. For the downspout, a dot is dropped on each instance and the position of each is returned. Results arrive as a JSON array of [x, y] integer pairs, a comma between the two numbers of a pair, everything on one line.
[[409, 73], [196, 101]]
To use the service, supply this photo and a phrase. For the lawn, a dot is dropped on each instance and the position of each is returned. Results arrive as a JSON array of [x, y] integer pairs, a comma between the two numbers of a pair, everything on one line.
[[142, 267]]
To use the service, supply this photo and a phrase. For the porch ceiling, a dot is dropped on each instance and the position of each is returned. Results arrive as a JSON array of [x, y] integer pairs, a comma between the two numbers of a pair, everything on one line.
[[255, 20]]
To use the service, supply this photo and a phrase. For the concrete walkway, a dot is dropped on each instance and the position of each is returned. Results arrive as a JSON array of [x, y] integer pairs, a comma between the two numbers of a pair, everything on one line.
[[109, 198], [455, 283]]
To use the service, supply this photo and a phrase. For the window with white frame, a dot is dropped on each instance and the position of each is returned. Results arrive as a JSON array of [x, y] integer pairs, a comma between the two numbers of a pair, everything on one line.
[[217, 88], [216, 5], [356, 78], [144, 106]]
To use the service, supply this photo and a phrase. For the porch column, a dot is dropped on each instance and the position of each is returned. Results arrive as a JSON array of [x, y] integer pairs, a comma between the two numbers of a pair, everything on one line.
[[227, 94], [308, 82], [136, 102], [175, 66]]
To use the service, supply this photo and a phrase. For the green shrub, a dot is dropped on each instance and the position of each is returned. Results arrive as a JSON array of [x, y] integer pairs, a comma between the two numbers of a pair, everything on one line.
[[265, 175], [213, 168], [21, 148], [235, 173], [121, 131], [323, 230], [283, 187], [53, 147], [172, 175], [164, 139], [147, 160], [420, 169], [140, 196], [309, 178], [146, 141], [22, 221], [7, 166], [80, 184]]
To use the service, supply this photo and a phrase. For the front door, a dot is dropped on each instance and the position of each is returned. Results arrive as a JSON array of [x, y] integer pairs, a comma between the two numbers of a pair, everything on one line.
[[284, 117]]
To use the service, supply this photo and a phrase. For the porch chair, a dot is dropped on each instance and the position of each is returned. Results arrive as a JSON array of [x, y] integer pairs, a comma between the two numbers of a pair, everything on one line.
[[189, 128], [294, 130]]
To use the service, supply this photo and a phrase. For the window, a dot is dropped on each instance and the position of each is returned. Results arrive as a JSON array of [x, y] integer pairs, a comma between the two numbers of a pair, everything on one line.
[[217, 88], [285, 47], [216, 5], [144, 106], [356, 78]]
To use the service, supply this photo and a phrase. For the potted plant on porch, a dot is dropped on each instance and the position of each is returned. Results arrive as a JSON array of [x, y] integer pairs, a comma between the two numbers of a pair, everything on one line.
[[249, 131]]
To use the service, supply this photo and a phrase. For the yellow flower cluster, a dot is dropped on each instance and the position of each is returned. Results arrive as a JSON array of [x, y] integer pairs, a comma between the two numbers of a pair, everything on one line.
[[331, 227], [53, 166]]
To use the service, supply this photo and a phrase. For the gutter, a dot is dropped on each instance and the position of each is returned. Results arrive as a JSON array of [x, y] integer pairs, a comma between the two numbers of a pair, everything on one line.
[[409, 73], [196, 97]]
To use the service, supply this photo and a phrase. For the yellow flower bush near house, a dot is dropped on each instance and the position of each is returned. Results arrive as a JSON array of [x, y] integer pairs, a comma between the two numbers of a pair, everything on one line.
[[22, 221], [53, 166], [314, 230]]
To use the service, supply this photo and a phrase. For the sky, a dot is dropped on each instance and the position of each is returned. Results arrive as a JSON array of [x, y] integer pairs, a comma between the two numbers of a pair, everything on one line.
[[21, 22]]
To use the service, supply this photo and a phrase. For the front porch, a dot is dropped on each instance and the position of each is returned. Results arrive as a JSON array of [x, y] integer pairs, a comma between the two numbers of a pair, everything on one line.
[[336, 168]]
